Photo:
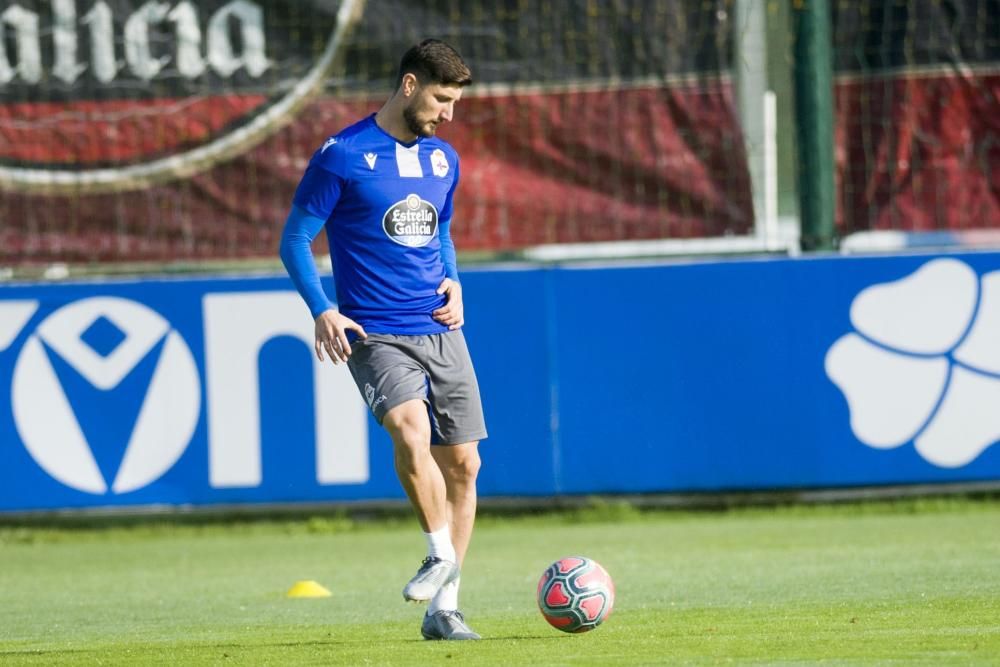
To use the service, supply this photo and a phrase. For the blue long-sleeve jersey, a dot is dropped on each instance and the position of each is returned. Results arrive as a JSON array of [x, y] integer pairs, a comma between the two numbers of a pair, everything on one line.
[[387, 208]]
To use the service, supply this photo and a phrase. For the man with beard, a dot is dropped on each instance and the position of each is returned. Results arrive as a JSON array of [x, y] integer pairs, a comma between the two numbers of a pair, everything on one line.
[[382, 189]]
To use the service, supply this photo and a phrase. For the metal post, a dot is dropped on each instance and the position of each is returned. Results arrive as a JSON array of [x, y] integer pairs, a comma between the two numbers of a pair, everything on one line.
[[813, 67], [750, 73]]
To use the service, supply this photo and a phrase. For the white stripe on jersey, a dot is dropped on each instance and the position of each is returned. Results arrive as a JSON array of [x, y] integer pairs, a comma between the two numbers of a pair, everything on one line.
[[408, 161]]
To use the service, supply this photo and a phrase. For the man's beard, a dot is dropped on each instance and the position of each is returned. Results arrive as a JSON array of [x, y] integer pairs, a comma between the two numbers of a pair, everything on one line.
[[414, 125]]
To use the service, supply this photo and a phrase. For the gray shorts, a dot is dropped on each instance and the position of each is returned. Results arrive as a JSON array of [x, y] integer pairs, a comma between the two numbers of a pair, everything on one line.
[[390, 369]]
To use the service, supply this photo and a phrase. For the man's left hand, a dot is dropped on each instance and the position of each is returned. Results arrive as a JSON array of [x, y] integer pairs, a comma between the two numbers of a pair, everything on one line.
[[452, 313]]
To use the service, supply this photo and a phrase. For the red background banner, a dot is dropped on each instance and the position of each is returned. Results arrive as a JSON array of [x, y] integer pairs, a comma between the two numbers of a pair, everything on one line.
[[588, 122]]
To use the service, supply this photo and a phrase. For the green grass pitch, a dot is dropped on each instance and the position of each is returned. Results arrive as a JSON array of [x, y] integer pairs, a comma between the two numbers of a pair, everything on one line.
[[914, 582]]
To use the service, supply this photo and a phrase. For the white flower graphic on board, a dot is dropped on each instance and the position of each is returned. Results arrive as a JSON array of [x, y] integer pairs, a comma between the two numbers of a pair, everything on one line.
[[923, 364]]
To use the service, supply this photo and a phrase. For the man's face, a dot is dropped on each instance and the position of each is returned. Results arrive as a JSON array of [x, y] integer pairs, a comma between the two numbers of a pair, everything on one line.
[[430, 105]]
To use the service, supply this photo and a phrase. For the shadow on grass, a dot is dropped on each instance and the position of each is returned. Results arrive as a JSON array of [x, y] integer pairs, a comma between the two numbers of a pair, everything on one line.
[[243, 646], [335, 518]]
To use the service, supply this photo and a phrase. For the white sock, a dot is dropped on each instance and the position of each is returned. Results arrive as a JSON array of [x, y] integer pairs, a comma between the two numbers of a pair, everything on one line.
[[446, 598], [439, 544]]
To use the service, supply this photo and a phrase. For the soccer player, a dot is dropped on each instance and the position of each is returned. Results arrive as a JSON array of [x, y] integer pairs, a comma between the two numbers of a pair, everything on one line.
[[383, 189]]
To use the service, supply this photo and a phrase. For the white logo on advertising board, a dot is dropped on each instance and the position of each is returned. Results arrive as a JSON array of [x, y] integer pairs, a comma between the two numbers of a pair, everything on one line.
[[923, 364], [45, 419], [236, 328], [172, 56]]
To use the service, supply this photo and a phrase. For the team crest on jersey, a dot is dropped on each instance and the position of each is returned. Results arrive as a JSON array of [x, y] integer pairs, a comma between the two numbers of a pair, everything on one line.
[[439, 163], [411, 222]]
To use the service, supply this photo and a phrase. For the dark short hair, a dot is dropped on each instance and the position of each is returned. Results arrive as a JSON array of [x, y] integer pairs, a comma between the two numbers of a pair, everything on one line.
[[433, 61]]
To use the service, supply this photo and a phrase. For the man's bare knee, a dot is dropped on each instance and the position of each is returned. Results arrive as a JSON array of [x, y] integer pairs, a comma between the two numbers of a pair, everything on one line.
[[408, 424]]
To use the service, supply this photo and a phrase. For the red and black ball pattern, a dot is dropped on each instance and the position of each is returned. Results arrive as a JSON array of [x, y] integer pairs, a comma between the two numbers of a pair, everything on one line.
[[575, 594]]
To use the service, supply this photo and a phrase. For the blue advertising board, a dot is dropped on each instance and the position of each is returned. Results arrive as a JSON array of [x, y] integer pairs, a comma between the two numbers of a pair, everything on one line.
[[670, 377]]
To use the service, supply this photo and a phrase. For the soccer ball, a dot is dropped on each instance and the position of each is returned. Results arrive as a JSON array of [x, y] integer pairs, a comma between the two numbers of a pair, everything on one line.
[[575, 594]]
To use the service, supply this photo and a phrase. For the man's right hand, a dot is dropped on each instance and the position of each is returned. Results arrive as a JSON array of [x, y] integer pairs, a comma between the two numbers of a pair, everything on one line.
[[331, 335]]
